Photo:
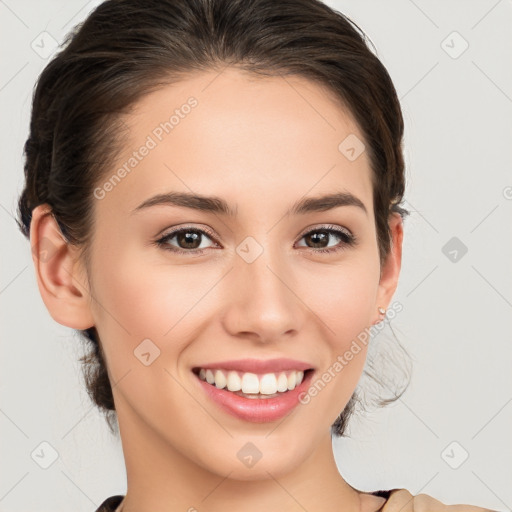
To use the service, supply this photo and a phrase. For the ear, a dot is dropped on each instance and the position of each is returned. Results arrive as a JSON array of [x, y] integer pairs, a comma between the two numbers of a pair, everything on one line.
[[390, 270], [60, 275]]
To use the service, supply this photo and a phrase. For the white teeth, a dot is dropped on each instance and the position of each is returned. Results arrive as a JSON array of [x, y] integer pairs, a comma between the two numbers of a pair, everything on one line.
[[292, 380], [220, 379], [268, 384], [250, 383], [282, 383], [234, 381]]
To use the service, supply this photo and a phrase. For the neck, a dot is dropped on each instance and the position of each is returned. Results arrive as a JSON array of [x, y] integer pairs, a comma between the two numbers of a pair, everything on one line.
[[160, 478]]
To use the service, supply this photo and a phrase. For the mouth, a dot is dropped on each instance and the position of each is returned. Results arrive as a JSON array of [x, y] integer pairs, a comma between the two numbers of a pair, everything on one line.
[[253, 385], [255, 397]]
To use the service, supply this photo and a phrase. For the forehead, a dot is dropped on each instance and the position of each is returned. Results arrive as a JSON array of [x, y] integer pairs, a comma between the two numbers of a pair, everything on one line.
[[232, 133]]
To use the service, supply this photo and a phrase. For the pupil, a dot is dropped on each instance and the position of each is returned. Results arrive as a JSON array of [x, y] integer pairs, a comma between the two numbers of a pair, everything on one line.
[[319, 237], [189, 238]]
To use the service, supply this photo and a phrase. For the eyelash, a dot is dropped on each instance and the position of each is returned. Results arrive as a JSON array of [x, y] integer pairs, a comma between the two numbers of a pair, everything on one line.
[[349, 240]]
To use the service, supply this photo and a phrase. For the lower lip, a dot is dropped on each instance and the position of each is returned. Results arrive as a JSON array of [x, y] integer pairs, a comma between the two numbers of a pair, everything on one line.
[[258, 410]]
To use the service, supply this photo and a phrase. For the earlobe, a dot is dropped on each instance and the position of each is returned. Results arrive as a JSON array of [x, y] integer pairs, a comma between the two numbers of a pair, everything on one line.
[[390, 271], [60, 276]]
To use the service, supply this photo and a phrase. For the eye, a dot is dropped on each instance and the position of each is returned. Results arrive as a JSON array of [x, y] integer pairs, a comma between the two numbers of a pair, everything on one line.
[[319, 239], [188, 239]]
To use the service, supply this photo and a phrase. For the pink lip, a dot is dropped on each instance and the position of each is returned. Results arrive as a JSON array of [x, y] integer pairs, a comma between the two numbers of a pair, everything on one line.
[[257, 410], [259, 365]]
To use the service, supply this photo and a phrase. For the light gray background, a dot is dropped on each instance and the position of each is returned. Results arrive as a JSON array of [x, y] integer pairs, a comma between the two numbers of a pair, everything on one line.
[[456, 321]]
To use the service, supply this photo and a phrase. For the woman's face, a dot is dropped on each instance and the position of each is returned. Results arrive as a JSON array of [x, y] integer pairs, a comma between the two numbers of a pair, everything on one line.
[[248, 283]]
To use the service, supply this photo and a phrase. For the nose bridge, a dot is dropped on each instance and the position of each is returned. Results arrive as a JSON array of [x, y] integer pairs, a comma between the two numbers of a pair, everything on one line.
[[263, 272], [263, 302]]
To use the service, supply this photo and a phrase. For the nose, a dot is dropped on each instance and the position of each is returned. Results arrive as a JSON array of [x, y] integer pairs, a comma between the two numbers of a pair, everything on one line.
[[262, 304]]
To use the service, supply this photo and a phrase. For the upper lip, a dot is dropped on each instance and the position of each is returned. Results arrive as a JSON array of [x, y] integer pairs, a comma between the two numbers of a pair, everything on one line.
[[258, 365]]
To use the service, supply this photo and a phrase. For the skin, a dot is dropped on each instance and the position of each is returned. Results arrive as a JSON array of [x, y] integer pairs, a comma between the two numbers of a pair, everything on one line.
[[260, 144]]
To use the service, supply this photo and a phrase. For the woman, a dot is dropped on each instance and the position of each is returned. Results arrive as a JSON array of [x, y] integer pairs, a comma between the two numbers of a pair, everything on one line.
[[212, 195]]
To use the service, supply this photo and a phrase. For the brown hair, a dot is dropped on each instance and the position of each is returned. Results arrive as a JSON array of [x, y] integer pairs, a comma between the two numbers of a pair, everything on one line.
[[128, 48]]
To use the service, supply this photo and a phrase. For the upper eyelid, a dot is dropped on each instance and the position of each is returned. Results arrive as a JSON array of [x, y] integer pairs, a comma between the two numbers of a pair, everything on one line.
[[327, 227], [173, 231]]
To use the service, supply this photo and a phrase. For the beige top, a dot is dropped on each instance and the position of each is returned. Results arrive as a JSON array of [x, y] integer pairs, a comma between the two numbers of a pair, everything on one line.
[[399, 500], [402, 500]]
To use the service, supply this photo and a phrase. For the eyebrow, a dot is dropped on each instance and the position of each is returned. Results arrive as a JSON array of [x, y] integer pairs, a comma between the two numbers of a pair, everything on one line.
[[218, 205]]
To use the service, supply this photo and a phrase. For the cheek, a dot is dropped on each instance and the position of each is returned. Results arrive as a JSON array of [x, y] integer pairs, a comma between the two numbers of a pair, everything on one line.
[[146, 309], [343, 297], [161, 302], [344, 302], [145, 299]]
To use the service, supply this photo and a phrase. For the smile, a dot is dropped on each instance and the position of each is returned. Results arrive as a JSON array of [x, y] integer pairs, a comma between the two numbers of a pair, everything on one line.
[[254, 397], [250, 384]]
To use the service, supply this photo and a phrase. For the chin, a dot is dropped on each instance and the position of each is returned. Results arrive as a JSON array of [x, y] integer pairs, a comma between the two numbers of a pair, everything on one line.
[[261, 459]]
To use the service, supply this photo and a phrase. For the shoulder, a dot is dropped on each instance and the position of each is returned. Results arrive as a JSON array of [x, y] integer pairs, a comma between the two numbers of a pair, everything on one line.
[[403, 501]]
